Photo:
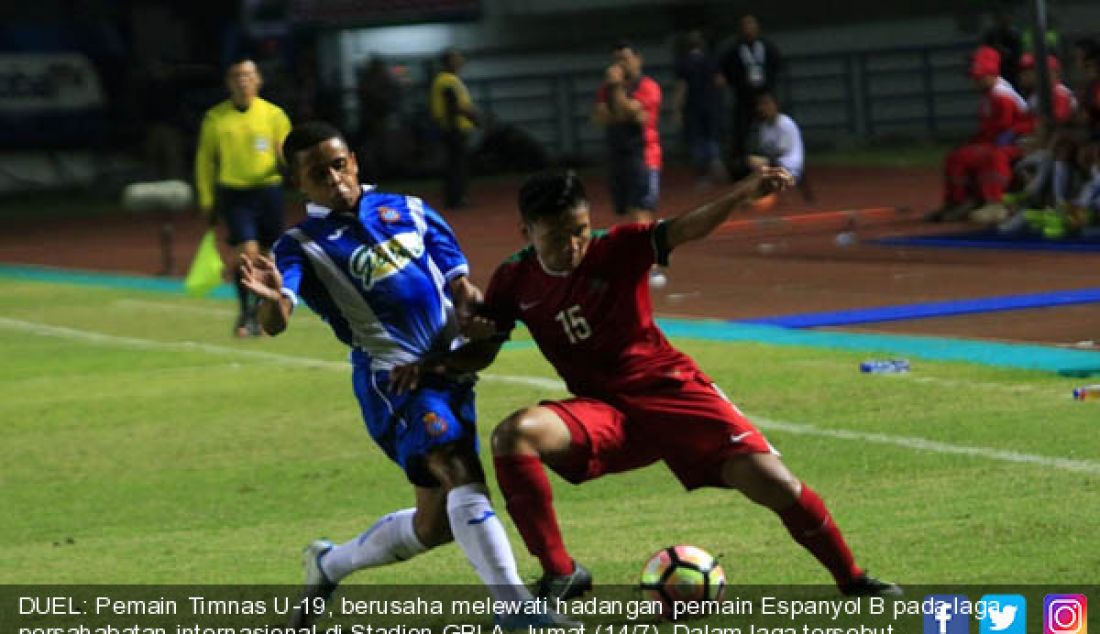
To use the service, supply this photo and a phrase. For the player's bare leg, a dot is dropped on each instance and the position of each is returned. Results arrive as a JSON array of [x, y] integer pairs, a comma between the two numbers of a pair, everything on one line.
[[764, 479], [522, 443]]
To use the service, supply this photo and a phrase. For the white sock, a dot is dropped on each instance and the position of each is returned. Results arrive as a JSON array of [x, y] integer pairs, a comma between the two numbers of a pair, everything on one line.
[[392, 538], [478, 530]]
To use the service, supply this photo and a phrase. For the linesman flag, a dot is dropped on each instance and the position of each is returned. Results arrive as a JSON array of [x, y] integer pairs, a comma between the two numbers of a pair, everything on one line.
[[206, 269]]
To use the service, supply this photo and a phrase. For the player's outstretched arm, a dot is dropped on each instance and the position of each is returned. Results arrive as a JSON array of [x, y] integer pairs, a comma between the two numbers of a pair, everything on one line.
[[262, 277], [701, 221], [474, 356]]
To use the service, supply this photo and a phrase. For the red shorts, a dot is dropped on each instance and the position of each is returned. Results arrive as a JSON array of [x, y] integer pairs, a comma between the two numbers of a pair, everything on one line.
[[689, 425]]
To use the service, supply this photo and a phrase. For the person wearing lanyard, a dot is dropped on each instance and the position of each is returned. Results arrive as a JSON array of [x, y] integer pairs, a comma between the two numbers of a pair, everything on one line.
[[750, 67]]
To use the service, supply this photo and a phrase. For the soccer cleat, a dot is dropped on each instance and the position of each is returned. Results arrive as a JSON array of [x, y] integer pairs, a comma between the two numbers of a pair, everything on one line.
[[527, 622], [867, 586], [565, 587], [317, 584]]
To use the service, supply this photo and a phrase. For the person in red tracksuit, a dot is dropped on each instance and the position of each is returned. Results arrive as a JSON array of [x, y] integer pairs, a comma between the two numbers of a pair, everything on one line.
[[976, 174]]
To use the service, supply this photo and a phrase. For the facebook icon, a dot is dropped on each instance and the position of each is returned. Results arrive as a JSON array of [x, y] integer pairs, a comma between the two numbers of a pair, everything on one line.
[[946, 614]]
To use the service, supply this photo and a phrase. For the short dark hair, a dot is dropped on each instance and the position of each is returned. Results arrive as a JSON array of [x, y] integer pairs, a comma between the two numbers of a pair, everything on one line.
[[549, 194], [304, 136]]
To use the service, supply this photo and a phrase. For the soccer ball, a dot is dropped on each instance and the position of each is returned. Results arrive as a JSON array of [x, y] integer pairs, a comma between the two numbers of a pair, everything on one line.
[[682, 573]]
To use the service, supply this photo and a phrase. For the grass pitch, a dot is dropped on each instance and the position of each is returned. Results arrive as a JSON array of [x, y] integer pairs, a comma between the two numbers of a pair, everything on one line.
[[141, 444]]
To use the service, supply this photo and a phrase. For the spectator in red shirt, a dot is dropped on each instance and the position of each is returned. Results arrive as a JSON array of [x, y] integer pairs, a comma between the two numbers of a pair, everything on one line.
[[628, 106]]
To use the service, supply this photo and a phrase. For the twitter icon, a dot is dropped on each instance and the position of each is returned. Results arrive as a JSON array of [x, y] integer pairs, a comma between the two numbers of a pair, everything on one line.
[[1004, 614]]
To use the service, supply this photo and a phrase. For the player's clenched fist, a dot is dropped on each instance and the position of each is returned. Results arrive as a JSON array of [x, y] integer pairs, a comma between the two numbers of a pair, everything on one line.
[[772, 179], [614, 74]]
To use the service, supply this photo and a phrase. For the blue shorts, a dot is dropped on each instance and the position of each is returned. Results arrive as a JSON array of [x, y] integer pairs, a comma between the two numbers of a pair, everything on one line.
[[409, 426], [252, 215], [633, 185]]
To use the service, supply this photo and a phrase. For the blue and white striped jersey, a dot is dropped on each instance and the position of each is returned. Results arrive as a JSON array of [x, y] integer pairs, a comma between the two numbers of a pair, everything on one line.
[[378, 278]]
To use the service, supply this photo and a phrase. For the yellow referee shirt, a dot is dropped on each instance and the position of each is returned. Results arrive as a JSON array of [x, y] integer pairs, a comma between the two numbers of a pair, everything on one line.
[[239, 149], [444, 81]]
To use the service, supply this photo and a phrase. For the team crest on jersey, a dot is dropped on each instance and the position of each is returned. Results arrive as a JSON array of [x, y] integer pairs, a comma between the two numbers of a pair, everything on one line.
[[373, 263], [434, 424], [389, 214]]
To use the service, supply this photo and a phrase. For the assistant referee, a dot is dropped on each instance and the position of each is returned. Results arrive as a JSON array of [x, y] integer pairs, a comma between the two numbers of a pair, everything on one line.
[[237, 173]]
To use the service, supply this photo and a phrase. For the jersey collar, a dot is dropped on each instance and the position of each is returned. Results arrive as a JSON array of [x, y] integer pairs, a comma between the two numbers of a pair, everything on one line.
[[548, 271], [320, 211]]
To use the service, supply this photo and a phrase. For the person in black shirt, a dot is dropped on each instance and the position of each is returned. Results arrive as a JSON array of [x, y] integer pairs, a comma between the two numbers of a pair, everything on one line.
[[750, 67], [696, 103]]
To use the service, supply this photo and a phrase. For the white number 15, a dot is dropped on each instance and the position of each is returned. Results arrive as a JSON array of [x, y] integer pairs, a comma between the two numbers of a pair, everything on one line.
[[574, 324]]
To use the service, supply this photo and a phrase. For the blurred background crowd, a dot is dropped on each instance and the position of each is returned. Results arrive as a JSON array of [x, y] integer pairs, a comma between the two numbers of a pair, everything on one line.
[[98, 93]]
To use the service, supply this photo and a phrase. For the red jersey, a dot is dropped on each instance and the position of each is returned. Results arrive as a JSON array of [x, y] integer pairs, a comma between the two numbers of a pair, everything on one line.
[[595, 324], [627, 136], [1000, 112]]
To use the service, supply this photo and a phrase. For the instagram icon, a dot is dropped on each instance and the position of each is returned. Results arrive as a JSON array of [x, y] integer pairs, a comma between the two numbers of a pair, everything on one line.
[[1065, 614]]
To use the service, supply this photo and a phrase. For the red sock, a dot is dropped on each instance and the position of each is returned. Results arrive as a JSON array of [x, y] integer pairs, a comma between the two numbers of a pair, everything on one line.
[[811, 526], [530, 502]]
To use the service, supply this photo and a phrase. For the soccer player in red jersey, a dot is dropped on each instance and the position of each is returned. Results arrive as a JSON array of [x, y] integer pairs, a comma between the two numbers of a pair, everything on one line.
[[584, 296]]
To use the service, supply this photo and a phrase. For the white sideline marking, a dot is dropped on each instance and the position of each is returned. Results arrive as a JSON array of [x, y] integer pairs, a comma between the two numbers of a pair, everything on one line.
[[210, 311], [92, 337], [932, 446], [962, 383], [908, 442], [88, 336], [173, 307]]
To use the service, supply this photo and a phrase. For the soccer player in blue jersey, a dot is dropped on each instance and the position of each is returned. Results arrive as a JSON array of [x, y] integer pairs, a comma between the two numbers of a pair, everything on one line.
[[386, 274]]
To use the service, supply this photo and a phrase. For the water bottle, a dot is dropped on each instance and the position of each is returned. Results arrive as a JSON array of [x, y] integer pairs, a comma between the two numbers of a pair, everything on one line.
[[1087, 393], [885, 366]]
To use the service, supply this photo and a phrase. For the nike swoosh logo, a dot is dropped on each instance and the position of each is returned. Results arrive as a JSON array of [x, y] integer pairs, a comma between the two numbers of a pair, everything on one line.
[[529, 305], [740, 437], [481, 520], [335, 235]]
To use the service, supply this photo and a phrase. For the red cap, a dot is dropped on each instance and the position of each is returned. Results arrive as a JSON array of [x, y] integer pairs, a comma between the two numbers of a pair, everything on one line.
[[985, 62], [1027, 62]]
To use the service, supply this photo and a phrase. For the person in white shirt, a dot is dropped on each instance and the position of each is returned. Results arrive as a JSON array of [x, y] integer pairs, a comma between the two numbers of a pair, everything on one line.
[[778, 141]]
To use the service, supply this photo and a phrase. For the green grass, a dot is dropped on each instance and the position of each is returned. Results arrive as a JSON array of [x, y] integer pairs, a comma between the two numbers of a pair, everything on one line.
[[136, 458]]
